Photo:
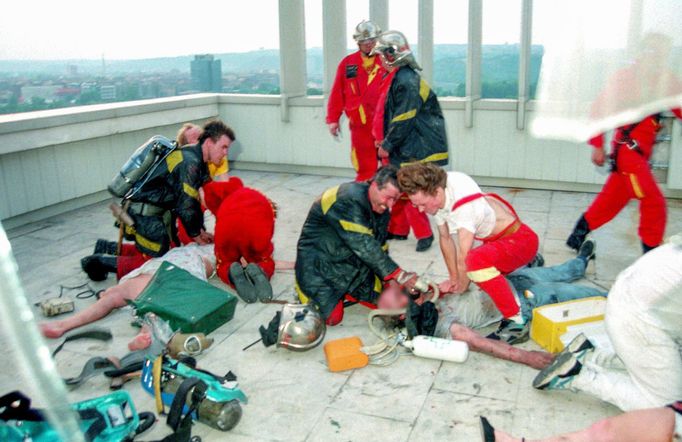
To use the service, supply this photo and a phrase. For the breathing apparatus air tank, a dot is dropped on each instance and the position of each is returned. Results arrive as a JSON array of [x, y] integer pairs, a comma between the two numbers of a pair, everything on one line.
[[140, 162], [438, 348]]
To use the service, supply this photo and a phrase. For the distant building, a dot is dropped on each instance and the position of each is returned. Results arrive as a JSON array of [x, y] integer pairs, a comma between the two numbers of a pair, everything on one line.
[[207, 74], [47, 93], [107, 92]]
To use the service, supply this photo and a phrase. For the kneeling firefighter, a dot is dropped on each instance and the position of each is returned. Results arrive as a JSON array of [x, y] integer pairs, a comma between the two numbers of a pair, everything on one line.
[[154, 198]]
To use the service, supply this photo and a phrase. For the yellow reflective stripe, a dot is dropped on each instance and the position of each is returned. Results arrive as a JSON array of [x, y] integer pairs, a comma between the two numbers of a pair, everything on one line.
[[639, 194], [378, 285], [328, 199], [483, 275], [191, 191], [354, 158], [304, 299], [373, 74], [430, 158], [214, 170], [173, 159], [385, 247], [424, 90], [352, 87], [405, 116], [363, 117], [146, 243], [355, 227]]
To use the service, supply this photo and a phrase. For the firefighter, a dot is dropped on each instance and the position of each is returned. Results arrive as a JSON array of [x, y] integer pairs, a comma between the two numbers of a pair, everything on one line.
[[409, 127], [342, 251], [630, 177], [171, 191], [355, 92]]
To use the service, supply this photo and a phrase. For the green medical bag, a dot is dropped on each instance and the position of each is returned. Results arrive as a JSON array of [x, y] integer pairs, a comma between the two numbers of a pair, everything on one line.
[[186, 302]]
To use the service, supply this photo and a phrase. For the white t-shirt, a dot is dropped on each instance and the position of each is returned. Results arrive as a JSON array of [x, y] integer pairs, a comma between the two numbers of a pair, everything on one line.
[[475, 216], [186, 257]]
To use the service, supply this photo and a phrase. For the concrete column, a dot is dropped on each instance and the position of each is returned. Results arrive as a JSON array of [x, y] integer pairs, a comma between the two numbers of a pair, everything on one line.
[[378, 13], [524, 62], [473, 75], [333, 39], [292, 57], [426, 39]]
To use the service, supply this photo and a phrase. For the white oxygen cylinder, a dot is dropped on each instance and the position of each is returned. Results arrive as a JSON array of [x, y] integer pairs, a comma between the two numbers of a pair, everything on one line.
[[438, 348]]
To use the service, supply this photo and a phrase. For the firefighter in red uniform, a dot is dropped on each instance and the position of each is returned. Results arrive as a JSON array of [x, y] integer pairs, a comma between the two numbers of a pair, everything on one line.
[[630, 177], [245, 223], [646, 78], [356, 91], [409, 128]]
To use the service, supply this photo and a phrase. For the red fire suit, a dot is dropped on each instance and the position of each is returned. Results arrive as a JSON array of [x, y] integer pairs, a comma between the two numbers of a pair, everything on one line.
[[356, 91], [245, 223], [499, 255], [632, 178]]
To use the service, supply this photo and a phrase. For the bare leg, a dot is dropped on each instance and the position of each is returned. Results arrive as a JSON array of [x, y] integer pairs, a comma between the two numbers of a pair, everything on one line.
[[654, 425], [112, 298], [499, 349]]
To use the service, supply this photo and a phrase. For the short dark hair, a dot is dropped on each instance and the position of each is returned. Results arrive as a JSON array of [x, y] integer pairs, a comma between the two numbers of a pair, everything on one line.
[[424, 177], [214, 129], [386, 175]]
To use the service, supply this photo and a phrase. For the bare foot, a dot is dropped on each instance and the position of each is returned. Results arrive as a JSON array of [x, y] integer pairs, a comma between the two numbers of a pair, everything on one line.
[[141, 341], [51, 330]]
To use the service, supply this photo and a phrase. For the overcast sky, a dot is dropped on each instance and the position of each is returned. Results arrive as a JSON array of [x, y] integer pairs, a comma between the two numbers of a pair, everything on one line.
[[31, 29]]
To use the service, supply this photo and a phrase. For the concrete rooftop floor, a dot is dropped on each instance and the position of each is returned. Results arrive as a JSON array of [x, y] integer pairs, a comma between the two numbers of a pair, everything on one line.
[[292, 396]]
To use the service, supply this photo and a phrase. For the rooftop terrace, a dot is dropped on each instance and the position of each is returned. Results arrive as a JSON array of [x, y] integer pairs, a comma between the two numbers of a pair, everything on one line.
[[292, 396]]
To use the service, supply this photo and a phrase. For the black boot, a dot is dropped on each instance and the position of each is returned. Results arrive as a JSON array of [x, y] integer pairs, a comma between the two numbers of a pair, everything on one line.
[[104, 247], [260, 282], [98, 266], [424, 244], [242, 284], [580, 231], [646, 248]]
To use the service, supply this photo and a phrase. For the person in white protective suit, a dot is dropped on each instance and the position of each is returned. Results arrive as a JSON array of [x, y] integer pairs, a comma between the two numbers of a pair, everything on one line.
[[644, 322]]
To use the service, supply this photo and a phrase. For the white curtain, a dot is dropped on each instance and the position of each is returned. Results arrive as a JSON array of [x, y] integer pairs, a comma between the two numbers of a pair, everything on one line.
[[608, 63]]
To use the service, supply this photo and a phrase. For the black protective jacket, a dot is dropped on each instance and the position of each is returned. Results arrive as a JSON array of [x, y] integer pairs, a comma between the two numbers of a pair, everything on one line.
[[414, 128], [174, 186], [342, 248]]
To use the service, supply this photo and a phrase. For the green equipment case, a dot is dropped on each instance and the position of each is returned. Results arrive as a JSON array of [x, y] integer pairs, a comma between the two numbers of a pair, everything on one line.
[[186, 302]]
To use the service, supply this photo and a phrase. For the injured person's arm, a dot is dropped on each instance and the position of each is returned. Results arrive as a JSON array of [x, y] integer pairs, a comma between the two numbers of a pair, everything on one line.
[[500, 349]]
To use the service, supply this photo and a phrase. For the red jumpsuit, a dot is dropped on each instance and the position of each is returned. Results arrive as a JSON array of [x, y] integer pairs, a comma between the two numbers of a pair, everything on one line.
[[632, 178], [245, 223], [356, 91]]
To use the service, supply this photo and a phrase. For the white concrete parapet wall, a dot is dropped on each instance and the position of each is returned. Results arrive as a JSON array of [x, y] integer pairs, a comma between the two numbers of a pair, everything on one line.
[[54, 161]]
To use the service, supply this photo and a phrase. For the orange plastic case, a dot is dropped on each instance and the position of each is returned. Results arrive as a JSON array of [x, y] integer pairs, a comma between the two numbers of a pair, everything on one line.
[[344, 354]]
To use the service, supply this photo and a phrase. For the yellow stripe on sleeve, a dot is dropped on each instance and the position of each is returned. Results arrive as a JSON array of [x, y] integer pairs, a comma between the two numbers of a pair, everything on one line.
[[355, 227], [405, 116]]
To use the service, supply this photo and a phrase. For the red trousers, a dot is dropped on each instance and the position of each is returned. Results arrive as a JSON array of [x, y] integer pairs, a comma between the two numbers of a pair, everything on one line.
[[363, 152], [487, 264], [129, 259], [632, 180], [336, 316], [404, 215]]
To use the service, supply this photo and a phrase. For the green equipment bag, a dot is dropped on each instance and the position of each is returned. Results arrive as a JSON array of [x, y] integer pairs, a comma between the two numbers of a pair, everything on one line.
[[186, 302]]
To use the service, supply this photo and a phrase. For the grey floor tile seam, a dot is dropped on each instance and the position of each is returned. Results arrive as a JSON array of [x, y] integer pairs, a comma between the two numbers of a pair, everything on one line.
[[470, 395], [413, 425], [329, 406]]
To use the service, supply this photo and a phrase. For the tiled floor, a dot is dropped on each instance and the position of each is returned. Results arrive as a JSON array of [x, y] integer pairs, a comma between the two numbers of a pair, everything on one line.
[[292, 396]]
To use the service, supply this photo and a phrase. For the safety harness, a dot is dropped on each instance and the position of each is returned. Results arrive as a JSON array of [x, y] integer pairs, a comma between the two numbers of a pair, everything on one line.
[[624, 139]]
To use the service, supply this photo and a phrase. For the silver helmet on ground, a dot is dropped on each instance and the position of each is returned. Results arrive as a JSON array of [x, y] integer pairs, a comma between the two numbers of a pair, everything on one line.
[[301, 327]]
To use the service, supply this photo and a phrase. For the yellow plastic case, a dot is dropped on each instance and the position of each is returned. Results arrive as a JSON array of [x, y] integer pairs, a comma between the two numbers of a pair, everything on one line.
[[551, 321]]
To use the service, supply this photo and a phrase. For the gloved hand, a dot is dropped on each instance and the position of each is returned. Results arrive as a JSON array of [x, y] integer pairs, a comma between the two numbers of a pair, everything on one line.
[[269, 335]]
